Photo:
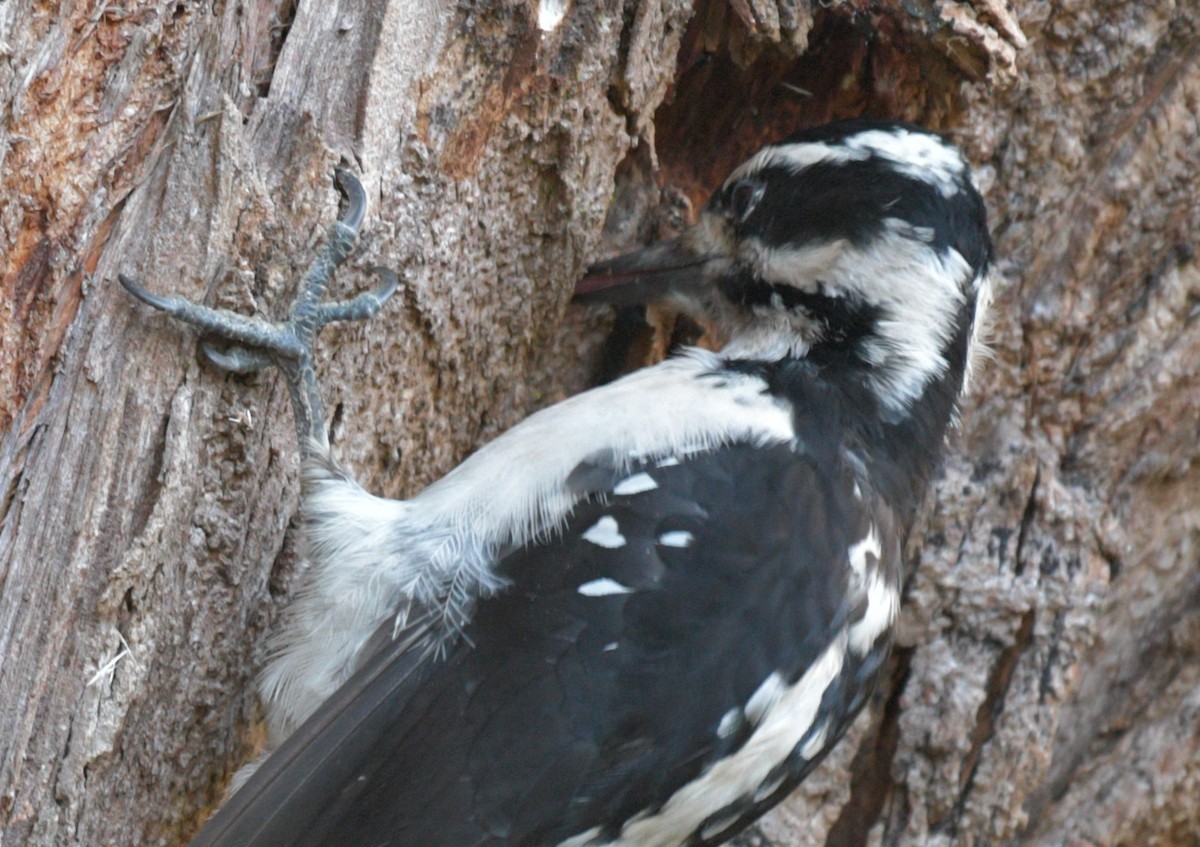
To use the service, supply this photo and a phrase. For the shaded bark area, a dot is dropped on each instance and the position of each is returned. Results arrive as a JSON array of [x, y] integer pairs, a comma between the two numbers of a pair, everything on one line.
[[1047, 689]]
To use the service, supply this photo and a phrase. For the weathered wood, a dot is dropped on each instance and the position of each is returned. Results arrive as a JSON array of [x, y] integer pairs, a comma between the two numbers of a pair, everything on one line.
[[1046, 687]]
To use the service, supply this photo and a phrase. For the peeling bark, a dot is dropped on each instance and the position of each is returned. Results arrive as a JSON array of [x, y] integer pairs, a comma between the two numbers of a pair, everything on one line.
[[1047, 688]]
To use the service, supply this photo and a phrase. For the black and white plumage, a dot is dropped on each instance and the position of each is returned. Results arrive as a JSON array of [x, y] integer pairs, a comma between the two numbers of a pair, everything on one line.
[[644, 614]]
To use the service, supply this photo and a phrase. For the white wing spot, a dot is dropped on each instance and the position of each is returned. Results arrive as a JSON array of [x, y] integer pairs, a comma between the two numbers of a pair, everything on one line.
[[768, 788], [719, 825], [746, 771], [676, 538], [603, 587], [816, 743], [635, 484], [858, 552], [668, 462], [883, 602], [764, 698], [883, 599], [610, 646], [583, 839], [605, 533], [730, 721]]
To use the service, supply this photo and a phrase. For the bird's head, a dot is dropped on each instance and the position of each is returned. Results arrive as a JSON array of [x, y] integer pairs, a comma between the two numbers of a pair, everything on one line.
[[861, 243]]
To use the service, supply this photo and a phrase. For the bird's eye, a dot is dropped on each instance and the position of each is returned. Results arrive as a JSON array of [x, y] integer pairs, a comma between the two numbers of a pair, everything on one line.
[[743, 197]]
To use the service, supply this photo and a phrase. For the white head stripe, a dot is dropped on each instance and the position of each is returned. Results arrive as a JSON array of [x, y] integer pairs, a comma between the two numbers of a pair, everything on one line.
[[914, 154]]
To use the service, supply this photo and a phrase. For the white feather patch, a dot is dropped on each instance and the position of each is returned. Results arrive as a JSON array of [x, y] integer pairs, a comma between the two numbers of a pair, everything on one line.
[[764, 698], [769, 787], [859, 551], [924, 286], [744, 772], [603, 587], [583, 839], [730, 721], [719, 825], [915, 154], [514, 488], [883, 597], [636, 484], [676, 538], [605, 533], [816, 742], [883, 604]]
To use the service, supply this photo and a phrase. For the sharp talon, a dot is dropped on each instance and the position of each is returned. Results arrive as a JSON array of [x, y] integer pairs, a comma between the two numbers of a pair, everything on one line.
[[365, 305], [237, 359], [250, 344], [164, 304], [390, 283], [356, 199]]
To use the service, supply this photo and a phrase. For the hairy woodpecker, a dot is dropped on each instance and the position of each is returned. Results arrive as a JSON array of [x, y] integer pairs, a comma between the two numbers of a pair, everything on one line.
[[642, 615]]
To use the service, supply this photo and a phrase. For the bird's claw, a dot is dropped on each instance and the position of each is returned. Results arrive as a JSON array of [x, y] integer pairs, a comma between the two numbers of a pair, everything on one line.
[[365, 305], [356, 199], [276, 339], [255, 343], [237, 359]]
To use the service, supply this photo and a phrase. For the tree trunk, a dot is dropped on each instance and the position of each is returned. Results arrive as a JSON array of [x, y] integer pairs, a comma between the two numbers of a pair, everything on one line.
[[1046, 690]]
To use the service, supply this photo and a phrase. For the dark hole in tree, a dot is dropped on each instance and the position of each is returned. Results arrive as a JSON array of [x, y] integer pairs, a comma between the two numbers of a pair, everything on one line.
[[735, 92]]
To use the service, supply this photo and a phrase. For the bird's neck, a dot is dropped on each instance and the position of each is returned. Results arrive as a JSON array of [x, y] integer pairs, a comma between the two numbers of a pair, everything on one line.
[[842, 401]]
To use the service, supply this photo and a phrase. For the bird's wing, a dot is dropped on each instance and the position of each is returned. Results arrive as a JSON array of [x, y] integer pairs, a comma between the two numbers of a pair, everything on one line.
[[322, 755], [672, 648]]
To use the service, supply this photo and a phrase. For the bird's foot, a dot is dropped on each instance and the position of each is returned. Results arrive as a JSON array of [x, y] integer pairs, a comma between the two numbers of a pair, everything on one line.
[[252, 343]]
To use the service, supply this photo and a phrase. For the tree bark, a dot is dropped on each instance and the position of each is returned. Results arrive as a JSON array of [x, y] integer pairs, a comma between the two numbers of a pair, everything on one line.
[[1046, 689]]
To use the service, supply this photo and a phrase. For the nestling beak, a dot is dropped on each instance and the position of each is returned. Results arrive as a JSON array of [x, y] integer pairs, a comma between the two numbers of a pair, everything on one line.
[[668, 271]]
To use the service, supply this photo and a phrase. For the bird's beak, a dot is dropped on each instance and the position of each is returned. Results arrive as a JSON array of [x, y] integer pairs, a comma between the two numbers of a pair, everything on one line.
[[667, 271]]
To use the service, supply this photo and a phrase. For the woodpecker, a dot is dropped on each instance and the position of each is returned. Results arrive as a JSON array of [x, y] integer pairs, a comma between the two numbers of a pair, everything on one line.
[[644, 614]]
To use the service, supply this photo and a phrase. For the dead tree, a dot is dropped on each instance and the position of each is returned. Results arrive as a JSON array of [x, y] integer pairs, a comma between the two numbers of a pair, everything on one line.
[[1047, 688]]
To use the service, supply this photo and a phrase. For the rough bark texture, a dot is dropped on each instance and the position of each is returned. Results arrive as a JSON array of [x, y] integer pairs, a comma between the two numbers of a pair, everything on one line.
[[1047, 688]]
